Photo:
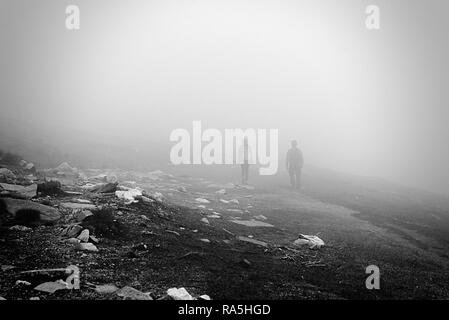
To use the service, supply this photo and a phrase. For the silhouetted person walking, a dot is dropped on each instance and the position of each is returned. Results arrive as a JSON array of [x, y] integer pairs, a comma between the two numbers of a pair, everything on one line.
[[294, 164]]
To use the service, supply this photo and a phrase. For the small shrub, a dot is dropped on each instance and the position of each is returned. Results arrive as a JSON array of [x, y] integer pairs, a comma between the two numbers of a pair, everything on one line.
[[103, 224], [49, 188]]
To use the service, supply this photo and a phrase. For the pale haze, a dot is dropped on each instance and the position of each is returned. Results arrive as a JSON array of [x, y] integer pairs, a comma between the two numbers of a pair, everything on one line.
[[359, 101]]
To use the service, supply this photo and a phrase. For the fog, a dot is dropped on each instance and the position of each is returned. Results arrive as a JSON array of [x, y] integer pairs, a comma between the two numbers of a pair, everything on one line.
[[365, 102]]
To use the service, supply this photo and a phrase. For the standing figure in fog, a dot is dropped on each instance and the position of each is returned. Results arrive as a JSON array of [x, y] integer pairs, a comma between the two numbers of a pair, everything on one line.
[[294, 164]]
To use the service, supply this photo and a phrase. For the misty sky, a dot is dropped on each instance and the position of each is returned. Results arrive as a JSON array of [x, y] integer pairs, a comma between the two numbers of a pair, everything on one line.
[[365, 102]]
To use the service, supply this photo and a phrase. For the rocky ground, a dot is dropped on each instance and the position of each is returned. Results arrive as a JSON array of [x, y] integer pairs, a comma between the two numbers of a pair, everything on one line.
[[123, 237], [154, 235]]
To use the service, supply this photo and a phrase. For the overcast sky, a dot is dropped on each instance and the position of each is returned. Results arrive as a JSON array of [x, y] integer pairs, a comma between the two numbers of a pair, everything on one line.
[[364, 102]]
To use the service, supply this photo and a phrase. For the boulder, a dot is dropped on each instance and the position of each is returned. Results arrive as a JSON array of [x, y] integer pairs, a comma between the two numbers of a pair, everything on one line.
[[25, 192], [179, 294], [29, 210]]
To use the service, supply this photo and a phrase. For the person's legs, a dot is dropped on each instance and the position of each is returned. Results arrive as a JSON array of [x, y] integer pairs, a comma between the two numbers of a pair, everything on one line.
[[298, 178], [292, 177]]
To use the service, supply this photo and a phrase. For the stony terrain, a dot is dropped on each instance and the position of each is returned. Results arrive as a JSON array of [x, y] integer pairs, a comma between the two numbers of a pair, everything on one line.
[[135, 235]]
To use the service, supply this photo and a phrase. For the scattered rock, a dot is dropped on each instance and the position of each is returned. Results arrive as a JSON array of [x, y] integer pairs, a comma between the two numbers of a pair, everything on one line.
[[179, 294], [253, 241], [130, 195], [84, 236], [22, 207], [106, 289], [34, 298], [147, 200], [83, 201], [78, 206], [245, 263], [51, 287], [204, 297], [72, 231], [81, 215], [174, 232], [20, 228], [234, 210], [25, 192], [202, 200], [87, 247], [252, 223], [1, 298], [129, 293], [22, 283], [205, 240], [205, 220], [312, 241], [261, 217]]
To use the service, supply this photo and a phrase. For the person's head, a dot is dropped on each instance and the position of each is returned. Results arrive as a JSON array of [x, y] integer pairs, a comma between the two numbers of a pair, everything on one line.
[[294, 143]]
